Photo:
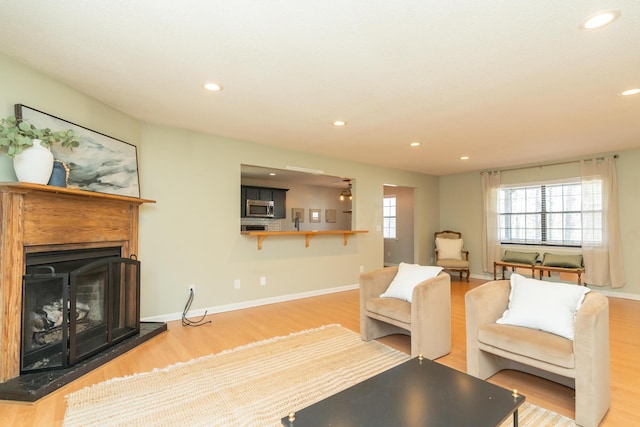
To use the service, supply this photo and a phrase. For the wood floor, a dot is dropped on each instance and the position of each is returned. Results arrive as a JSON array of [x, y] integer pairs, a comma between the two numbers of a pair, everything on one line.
[[232, 329]]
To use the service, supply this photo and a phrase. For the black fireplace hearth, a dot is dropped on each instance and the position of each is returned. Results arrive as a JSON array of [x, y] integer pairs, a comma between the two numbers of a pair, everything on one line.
[[32, 386]]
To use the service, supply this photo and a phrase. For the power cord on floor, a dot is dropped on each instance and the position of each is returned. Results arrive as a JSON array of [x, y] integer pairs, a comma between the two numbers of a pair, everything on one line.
[[189, 322]]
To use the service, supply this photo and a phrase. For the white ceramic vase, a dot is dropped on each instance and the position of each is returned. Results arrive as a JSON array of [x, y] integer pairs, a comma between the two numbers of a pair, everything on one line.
[[34, 164]]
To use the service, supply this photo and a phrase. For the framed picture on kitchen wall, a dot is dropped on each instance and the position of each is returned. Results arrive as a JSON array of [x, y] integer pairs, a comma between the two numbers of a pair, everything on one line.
[[100, 164], [330, 215], [297, 213], [314, 215]]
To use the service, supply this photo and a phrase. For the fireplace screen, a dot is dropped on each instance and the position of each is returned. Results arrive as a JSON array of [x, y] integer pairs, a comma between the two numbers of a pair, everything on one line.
[[75, 304]]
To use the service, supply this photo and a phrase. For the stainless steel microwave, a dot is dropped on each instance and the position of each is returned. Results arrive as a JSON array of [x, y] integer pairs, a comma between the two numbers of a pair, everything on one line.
[[259, 208]]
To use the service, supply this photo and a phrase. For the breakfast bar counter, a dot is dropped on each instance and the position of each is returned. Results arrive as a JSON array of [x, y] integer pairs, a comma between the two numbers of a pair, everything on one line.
[[307, 234]]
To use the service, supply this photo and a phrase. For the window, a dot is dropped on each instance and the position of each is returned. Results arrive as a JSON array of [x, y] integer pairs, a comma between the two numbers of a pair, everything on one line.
[[551, 214], [389, 217]]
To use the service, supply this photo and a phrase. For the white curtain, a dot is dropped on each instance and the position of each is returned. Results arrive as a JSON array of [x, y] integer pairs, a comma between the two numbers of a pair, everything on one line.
[[490, 233], [601, 244]]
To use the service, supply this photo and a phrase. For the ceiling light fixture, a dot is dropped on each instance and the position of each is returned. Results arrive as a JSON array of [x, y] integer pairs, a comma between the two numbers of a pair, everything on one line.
[[339, 123], [415, 144], [346, 192], [212, 87], [599, 20], [631, 92], [464, 158]]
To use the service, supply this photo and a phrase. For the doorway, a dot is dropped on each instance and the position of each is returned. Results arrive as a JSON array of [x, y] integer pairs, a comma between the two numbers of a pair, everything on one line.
[[398, 225]]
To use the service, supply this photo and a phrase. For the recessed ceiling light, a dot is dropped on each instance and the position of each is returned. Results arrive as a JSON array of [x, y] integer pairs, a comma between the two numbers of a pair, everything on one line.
[[272, 173], [339, 123], [213, 87], [415, 144], [464, 158], [630, 92], [599, 20]]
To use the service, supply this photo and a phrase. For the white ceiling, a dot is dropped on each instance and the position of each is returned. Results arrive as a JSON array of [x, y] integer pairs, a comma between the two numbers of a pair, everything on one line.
[[505, 82]]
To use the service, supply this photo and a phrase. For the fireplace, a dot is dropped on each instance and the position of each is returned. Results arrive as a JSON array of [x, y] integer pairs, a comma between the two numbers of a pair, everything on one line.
[[69, 285], [75, 304]]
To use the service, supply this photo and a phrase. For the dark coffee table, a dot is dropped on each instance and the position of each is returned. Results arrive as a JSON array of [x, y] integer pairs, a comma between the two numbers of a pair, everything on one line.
[[419, 392]]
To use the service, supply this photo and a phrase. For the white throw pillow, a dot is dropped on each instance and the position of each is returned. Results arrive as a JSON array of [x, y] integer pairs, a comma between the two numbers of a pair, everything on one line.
[[407, 278], [449, 248], [546, 306]]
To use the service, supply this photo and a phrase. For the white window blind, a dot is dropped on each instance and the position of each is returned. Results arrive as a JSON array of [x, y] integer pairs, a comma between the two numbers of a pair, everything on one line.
[[550, 214], [389, 217]]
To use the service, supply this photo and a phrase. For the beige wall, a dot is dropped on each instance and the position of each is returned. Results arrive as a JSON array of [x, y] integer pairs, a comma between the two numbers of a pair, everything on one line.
[[461, 204], [191, 235]]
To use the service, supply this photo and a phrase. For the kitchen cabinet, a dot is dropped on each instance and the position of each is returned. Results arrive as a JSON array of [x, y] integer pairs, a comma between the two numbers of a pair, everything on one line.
[[257, 193], [278, 195], [279, 203]]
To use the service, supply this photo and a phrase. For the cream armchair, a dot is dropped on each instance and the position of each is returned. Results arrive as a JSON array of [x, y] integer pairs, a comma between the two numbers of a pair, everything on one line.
[[449, 252], [427, 319], [582, 364]]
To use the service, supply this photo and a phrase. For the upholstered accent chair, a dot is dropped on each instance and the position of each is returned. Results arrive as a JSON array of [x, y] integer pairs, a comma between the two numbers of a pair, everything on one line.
[[582, 364], [450, 253], [427, 318]]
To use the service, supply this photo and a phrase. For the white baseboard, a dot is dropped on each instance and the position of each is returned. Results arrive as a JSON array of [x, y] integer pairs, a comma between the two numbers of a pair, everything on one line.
[[611, 294], [248, 304]]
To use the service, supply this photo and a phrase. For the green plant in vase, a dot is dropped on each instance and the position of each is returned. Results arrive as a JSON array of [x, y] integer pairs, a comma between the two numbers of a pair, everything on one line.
[[17, 135], [29, 147]]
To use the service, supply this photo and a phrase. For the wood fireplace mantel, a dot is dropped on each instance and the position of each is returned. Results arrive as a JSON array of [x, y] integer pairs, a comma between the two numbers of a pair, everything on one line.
[[40, 218]]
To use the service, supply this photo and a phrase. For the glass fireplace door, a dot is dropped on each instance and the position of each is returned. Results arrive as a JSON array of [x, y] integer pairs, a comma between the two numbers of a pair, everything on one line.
[[89, 299], [125, 299], [45, 327], [107, 290]]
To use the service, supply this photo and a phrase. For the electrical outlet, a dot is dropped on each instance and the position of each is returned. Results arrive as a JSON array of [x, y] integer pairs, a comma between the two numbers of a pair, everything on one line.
[[263, 281], [236, 284], [192, 288], [362, 269]]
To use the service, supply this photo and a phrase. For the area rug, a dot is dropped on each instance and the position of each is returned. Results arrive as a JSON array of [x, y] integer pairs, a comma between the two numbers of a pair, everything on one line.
[[530, 415], [252, 385]]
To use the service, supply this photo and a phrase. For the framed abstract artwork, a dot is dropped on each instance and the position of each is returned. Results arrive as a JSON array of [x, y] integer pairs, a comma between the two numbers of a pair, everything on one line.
[[100, 164]]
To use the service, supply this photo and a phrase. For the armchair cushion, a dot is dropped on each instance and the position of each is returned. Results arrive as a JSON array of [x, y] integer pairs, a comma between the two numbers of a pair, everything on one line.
[[531, 343], [453, 263], [449, 248], [546, 306], [391, 309], [407, 278]]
